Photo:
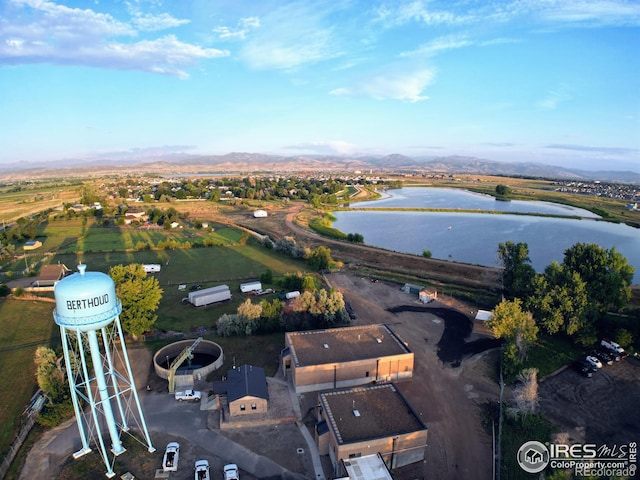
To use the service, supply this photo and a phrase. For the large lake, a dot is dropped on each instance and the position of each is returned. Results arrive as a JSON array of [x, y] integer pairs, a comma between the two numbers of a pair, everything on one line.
[[474, 237]]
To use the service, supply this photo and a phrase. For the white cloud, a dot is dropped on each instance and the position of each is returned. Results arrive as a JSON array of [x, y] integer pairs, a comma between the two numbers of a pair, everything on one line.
[[438, 45], [297, 34], [150, 23], [45, 32], [569, 13], [398, 14], [591, 12], [554, 98], [392, 84], [239, 32]]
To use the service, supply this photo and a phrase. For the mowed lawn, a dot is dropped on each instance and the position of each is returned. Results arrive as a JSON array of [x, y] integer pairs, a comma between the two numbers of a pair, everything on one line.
[[24, 325]]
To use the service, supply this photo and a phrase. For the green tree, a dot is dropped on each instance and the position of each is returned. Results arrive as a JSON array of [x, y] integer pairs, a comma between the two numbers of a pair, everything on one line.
[[514, 325], [319, 258], [606, 274], [560, 301], [250, 310], [623, 337], [49, 376], [140, 295], [518, 274], [270, 319], [266, 277], [503, 191], [426, 253]]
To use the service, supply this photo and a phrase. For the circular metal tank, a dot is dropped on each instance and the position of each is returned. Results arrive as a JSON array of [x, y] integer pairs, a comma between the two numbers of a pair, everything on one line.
[[86, 301]]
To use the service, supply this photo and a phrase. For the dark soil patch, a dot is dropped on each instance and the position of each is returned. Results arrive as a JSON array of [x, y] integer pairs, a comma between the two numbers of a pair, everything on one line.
[[452, 347]]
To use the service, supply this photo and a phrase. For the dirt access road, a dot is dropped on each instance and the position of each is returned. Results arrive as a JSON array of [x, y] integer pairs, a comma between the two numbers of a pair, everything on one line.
[[446, 398], [288, 222]]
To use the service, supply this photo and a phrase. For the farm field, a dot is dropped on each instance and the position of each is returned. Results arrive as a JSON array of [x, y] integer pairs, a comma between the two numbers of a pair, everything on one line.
[[24, 325]]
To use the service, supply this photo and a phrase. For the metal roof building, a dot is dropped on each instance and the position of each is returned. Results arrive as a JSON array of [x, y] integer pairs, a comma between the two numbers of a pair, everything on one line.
[[246, 390]]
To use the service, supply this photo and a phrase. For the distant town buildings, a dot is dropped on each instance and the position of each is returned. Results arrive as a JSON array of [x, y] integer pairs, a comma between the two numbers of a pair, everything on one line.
[[618, 191]]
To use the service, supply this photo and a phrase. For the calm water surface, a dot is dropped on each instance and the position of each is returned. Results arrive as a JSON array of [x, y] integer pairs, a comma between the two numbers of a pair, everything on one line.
[[474, 237]]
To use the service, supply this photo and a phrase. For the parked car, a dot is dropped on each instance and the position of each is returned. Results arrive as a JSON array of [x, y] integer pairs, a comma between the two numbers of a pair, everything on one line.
[[170, 459], [593, 361], [611, 345], [202, 470], [616, 356], [231, 472], [195, 287], [188, 396], [604, 357], [583, 367]]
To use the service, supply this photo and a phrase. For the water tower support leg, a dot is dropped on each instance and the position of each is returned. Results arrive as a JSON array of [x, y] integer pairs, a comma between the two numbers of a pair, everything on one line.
[[134, 390], [74, 394]]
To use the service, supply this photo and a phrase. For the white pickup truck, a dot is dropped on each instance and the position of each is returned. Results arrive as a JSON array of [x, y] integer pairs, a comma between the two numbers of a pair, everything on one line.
[[170, 459], [188, 396]]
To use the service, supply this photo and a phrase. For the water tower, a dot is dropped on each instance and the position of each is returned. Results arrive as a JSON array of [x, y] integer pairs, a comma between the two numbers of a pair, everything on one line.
[[87, 311]]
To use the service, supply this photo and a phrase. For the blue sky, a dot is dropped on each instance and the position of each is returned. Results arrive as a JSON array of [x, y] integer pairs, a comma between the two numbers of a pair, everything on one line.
[[550, 81]]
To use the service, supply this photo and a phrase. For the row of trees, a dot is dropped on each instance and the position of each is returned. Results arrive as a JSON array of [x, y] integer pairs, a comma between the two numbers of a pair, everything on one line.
[[570, 298], [313, 309]]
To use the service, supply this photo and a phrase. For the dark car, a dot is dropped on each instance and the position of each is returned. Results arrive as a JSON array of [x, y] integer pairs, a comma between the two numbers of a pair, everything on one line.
[[584, 368], [603, 357], [616, 356], [195, 287], [349, 309]]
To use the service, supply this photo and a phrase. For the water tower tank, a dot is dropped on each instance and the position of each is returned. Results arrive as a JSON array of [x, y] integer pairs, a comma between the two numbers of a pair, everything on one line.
[[86, 301]]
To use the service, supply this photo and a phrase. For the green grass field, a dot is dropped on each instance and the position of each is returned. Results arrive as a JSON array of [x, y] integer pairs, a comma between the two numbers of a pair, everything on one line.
[[86, 235], [24, 325]]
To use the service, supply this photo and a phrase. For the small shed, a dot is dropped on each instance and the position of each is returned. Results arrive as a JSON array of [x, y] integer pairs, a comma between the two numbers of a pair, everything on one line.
[[412, 289], [246, 390], [427, 296]]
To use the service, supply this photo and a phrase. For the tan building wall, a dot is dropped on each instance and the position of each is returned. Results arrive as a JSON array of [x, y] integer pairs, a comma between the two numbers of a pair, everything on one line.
[[349, 374], [248, 405], [396, 450]]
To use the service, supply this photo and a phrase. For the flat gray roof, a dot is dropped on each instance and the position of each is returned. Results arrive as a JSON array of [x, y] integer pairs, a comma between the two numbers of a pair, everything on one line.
[[347, 344], [381, 412]]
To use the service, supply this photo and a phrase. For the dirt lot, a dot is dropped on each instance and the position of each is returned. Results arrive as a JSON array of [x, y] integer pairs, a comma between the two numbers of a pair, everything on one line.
[[600, 409], [446, 398]]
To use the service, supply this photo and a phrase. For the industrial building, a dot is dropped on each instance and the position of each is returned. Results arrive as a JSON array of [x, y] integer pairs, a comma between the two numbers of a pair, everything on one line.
[[345, 357], [369, 420]]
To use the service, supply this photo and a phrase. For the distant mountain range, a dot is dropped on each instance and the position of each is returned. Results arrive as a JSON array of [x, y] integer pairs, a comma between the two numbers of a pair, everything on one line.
[[245, 163]]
